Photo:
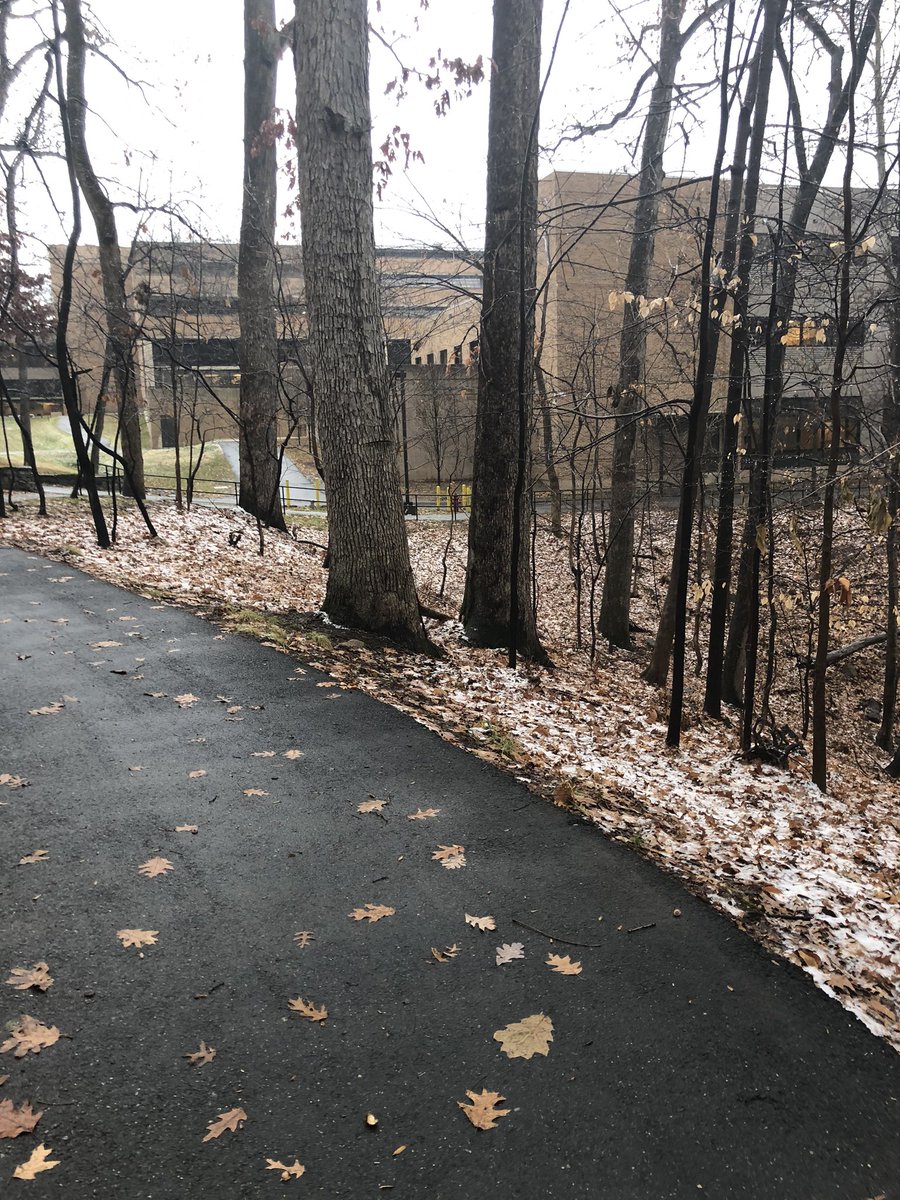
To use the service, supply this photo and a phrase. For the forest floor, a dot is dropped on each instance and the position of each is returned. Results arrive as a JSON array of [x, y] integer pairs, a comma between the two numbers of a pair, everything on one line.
[[815, 877]]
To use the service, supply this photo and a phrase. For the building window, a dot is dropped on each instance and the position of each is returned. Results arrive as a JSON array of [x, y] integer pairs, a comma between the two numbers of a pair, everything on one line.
[[443, 357], [457, 356], [430, 360], [473, 350], [418, 360]]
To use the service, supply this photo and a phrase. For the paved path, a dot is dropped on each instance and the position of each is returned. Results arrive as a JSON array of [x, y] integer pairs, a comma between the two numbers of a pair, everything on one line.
[[302, 487], [684, 1063]]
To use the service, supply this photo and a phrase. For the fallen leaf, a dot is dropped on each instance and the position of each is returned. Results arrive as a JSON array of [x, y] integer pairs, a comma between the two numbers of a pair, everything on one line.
[[525, 1038], [483, 1111], [196, 774], [303, 937], [451, 857], [292, 754], [371, 913], [294, 1171], [137, 937], [23, 978], [399, 1150], [36, 856], [3, 1079], [104, 645], [155, 866], [40, 1160], [371, 805], [235, 708], [263, 754], [509, 952], [48, 710], [482, 923], [307, 1009], [185, 701], [14, 1121], [254, 792], [422, 814], [134, 770], [12, 781], [446, 954], [201, 1057], [230, 1120], [563, 966], [371, 1120], [187, 828], [30, 1036]]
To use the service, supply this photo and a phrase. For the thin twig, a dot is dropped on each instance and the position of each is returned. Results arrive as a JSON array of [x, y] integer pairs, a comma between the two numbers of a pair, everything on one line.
[[553, 938], [638, 928]]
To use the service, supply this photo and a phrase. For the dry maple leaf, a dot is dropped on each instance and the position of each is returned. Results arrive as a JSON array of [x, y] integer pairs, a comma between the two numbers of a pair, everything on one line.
[[451, 857], [371, 913], [187, 828], [509, 952], [36, 856], [292, 754], [307, 1009], [303, 937], [294, 1171], [525, 1038], [186, 699], [48, 710], [371, 805], [422, 814], [483, 1111], [12, 781], [200, 1058], [482, 923], [196, 774], [137, 937], [262, 754], [30, 1035], [230, 1120], [40, 1160], [155, 866], [563, 965], [446, 954], [254, 792], [23, 978], [14, 1121]]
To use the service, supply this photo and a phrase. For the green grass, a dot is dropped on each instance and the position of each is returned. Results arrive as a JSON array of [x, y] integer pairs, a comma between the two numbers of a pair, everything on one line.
[[55, 455]]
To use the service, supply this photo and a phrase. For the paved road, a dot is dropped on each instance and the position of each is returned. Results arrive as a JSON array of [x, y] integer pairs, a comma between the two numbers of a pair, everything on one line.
[[684, 1063], [302, 487]]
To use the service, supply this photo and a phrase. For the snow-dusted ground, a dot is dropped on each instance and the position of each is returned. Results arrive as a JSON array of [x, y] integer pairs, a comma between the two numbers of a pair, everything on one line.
[[815, 877]]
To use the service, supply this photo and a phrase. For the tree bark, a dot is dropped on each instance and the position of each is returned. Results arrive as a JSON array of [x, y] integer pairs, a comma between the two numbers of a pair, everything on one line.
[[260, 486], [370, 582], [615, 606], [118, 322], [498, 578]]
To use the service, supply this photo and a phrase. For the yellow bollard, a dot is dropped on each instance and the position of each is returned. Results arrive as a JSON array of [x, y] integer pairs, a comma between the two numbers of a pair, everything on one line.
[[287, 493]]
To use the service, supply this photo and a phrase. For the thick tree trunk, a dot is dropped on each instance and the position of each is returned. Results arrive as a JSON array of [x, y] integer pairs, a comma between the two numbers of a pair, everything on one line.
[[260, 490], [118, 322], [370, 582], [500, 518], [615, 606]]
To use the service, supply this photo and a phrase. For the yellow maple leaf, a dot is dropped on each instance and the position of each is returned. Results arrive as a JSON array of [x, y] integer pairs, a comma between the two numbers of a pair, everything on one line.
[[201, 1057], [307, 1009], [155, 866], [40, 1160], [294, 1171], [31, 1036], [231, 1120], [371, 913], [137, 937], [483, 1111], [563, 966], [23, 978], [523, 1039]]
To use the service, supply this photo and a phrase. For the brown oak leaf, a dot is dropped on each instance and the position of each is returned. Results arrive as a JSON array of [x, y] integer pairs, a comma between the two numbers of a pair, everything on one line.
[[303, 937], [451, 857], [422, 814], [155, 866], [307, 1009], [254, 792], [292, 754], [40, 1160], [294, 1171], [482, 923], [137, 937], [200, 1058], [12, 781], [36, 856], [14, 1121], [446, 954], [525, 1038], [23, 978], [30, 1036], [231, 1120], [371, 913], [509, 952], [371, 805], [563, 965], [483, 1111], [185, 700], [48, 710]]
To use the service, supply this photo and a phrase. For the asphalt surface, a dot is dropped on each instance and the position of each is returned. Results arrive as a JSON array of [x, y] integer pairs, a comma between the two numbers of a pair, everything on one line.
[[684, 1063]]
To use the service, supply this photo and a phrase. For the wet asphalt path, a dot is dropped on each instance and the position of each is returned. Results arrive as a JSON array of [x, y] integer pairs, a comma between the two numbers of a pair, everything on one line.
[[684, 1063]]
